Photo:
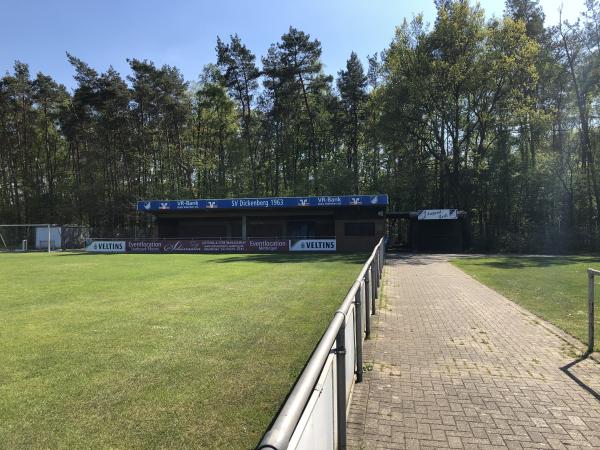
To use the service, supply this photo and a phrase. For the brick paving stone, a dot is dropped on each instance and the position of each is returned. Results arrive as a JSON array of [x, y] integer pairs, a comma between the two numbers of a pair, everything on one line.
[[457, 365]]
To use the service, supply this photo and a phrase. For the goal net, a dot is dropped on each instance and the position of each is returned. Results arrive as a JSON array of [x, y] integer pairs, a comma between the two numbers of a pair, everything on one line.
[[28, 237]]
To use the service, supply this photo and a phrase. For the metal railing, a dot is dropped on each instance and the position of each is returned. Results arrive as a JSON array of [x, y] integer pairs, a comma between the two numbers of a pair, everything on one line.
[[591, 279], [314, 414]]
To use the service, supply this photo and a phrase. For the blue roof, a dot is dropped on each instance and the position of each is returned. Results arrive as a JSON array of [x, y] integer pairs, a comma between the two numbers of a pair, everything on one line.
[[264, 203]]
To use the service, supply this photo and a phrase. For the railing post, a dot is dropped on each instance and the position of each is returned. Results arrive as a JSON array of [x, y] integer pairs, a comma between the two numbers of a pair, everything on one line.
[[367, 300], [376, 260], [340, 353], [379, 266], [373, 287], [382, 260], [590, 311], [358, 334]]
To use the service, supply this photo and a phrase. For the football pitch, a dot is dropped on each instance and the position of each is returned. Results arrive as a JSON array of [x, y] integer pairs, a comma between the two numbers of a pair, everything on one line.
[[145, 351]]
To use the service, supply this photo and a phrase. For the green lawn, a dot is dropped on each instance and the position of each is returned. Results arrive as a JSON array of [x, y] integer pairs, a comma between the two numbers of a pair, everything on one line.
[[146, 351], [554, 288]]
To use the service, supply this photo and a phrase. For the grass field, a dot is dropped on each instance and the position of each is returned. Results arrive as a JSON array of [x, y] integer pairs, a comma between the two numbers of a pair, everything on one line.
[[554, 288], [131, 351]]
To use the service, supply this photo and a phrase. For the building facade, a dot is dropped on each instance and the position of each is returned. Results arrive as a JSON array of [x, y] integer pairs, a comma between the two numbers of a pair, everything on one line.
[[347, 223]]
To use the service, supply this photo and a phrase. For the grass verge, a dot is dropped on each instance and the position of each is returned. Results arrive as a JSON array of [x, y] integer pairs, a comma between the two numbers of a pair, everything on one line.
[[553, 288]]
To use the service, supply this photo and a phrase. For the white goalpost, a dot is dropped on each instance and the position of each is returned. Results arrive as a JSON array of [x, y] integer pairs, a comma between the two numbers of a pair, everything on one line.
[[22, 237]]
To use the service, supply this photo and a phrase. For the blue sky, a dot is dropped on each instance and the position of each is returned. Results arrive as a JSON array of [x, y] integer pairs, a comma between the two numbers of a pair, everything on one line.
[[183, 33]]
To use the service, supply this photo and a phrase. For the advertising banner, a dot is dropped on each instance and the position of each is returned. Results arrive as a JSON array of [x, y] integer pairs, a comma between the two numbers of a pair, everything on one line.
[[264, 203], [208, 246], [438, 214], [212, 246], [313, 245], [267, 245], [106, 247]]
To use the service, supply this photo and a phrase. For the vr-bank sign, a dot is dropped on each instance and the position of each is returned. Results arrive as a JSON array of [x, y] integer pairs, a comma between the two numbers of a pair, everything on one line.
[[380, 200], [313, 245], [106, 247]]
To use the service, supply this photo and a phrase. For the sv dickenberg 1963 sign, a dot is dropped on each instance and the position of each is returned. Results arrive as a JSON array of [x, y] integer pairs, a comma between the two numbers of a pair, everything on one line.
[[212, 246], [262, 203]]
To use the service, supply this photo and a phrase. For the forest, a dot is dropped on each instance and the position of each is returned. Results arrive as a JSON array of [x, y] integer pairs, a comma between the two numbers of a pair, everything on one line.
[[499, 117]]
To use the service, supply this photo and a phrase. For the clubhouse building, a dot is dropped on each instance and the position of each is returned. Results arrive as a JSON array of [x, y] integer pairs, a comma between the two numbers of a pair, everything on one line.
[[343, 223]]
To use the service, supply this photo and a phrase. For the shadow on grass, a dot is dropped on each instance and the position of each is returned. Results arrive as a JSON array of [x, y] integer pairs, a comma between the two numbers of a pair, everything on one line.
[[351, 258], [82, 253], [521, 262], [572, 376], [44, 252], [417, 259]]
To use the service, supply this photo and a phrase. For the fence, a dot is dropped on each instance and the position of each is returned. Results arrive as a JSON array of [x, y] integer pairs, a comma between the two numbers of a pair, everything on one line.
[[23, 236], [591, 278], [314, 414]]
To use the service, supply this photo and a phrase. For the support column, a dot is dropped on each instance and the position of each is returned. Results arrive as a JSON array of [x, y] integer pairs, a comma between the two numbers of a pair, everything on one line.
[[368, 302], [358, 333], [340, 363]]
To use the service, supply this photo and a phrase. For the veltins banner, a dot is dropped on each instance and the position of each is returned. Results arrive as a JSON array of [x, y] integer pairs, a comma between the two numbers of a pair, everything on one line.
[[106, 247], [313, 245]]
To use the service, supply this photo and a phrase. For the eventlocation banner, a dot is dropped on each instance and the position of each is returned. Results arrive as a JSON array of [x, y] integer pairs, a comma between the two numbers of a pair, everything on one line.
[[208, 246]]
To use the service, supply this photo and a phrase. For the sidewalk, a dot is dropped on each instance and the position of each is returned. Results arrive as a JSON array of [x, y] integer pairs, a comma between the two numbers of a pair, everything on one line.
[[456, 365]]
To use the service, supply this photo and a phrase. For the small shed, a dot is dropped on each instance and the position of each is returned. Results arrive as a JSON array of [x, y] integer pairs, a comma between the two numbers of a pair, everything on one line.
[[51, 232], [429, 230]]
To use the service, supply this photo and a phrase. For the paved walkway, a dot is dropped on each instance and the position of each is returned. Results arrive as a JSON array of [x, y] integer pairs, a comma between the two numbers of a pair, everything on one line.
[[456, 365]]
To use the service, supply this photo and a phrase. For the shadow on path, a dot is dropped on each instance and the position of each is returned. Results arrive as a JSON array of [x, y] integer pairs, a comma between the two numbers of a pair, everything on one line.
[[572, 376]]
